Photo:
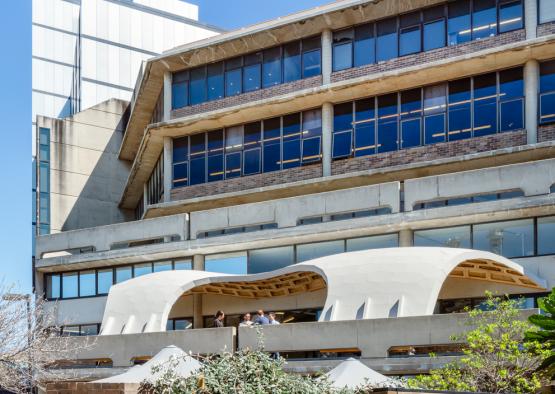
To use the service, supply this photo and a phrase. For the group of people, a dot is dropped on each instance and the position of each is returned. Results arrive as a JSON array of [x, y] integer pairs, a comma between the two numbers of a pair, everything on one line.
[[260, 319]]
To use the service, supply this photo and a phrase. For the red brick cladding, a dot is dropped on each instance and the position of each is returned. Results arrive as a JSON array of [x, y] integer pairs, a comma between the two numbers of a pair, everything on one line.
[[430, 152], [261, 94], [247, 182], [546, 133], [430, 56], [545, 29]]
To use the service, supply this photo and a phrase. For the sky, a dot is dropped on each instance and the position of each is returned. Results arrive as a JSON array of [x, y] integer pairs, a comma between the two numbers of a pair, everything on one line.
[[15, 112]]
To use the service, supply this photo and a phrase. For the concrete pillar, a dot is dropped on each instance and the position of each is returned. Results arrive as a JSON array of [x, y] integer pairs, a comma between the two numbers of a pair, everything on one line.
[[531, 90], [198, 321], [168, 168], [531, 18], [405, 238], [327, 130], [167, 96], [145, 197], [327, 38]]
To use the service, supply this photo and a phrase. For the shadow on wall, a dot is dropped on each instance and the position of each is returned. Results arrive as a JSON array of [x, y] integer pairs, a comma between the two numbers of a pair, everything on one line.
[[88, 178]]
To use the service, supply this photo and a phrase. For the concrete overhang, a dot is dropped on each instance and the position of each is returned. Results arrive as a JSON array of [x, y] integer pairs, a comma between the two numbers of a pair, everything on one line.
[[335, 15], [151, 145], [516, 208]]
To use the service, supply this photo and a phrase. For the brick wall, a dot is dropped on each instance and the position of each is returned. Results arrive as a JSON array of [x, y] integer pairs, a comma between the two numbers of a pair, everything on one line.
[[91, 388], [430, 152], [546, 133], [545, 29], [248, 97], [248, 182], [430, 56]]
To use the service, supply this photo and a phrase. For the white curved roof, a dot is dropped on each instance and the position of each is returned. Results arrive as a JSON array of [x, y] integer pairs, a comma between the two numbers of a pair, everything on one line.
[[376, 283]]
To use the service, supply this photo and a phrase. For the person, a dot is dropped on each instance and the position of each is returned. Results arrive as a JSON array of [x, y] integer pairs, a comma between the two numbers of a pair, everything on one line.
[[261, 319], [272, 318], [219, 319], [246, 320]]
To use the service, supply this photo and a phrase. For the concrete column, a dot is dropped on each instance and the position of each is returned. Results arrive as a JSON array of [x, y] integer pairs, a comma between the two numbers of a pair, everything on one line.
[[145, 197], [168, 168], [198, 321], [531, 18], [531, 90], [405, 238], [326, 56], [167, 96], [327, 129]]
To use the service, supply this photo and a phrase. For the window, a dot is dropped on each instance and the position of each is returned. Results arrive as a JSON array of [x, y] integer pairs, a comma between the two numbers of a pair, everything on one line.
[[386, 44], [459, 110], [197, 157], [410, 34], [546, 11], [484, 19], [263, 260], [373, 242], [343, 49], [547, 92], [233, 146], [411, 112], [311, 57], [215, 81], [142, 269], [162, 266], [227, 264], [105, 280], [452, 237], [53, 286], [272, 67], [510, 15], [182, 265], [312, 251], [546, 235], [511, 106], [70, 285], [365, 127], [252, 72], [87, 283], [387, 123], [311, 134], [485, 104], [458, 24], [342, 129], [272, 144], [197, 86], [179, 324], [291, 141], [434, 28], [509, 239], [215, 155], [233, 76], [88, 329], [292, 61], [364, 47], [252, 153], [180, 161], [180, 89], [123, 274]]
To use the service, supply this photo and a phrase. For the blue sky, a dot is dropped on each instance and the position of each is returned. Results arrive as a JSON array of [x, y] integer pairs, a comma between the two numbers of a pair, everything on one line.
[[15, 112]]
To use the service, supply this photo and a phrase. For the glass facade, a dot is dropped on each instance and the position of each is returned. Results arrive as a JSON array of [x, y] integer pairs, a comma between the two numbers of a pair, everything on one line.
[[512, 238], [469, 199], [547, 92], [270, 67], [80, 330], [465, 108], [424, 30], [232, 263], [263, 146]]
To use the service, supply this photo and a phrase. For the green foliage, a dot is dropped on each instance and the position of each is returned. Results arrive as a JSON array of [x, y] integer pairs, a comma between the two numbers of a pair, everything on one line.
[[546, 333], [495, 359]]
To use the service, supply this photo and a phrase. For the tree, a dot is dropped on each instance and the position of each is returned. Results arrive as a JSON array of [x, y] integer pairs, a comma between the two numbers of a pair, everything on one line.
[[546, 334], [29, 343], [495, 358]]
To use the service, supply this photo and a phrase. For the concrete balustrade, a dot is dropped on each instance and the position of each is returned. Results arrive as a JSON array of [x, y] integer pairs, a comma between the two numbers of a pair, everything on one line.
[[533, 178], [287, 211], [103, 237]]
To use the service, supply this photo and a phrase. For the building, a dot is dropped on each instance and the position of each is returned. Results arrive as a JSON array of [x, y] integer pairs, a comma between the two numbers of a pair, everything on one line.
[[351, 127], [89, 51]]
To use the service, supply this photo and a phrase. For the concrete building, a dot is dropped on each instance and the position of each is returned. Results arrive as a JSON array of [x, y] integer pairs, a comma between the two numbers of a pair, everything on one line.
[[292, 153]]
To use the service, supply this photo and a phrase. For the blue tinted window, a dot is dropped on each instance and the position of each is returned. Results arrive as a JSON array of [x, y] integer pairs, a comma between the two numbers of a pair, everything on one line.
[[343, 49], [227, 264], [365, 133], [343, 117], [434, 28], [511, 115], [251, 161], [387, 122], [197, 86], [547, 76], [233, 165], [264, 260], [142, 269], [53, 286], [435, 103], [411, 111], [252, 72], [272, 67], [251, 156], [311, 57], [198, 167], [484, 19], [511, 107], [485, 104], [180, 174], [386, 45], [179, 95], [272, 144], [547, 88], [459, 109], [215, 156], [292, 62], [458, 25], [70, 285], [511, 83], [123, 274], [180, 149], [510, 16], [409, 39], [87, 283], [311, 150], [215, 81], [233, 82], [342, 144], [105, 280], [364, 47], [291, 140]]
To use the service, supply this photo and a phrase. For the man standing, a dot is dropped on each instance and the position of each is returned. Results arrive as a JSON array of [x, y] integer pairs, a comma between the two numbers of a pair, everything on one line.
[[246, 320], [261, 319]]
